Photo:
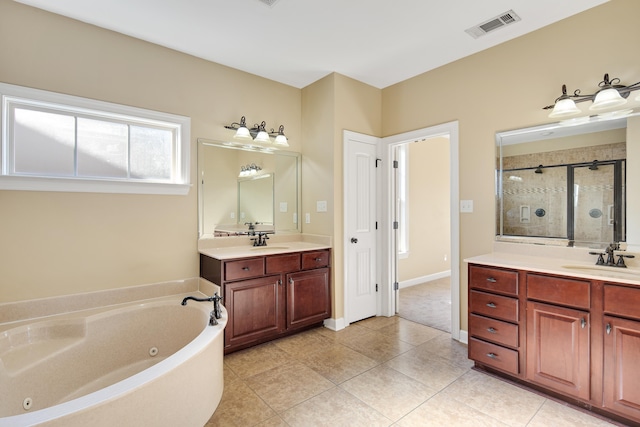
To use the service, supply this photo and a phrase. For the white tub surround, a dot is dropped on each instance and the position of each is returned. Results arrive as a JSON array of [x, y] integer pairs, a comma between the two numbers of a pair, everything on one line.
[[140, 362]]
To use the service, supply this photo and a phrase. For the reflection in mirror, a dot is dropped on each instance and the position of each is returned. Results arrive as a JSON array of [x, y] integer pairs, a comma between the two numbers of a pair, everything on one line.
[[227, 202], [563, 185]]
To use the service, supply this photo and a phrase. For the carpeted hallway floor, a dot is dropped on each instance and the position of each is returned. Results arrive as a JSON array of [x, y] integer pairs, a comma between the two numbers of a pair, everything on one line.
[[428, 304]]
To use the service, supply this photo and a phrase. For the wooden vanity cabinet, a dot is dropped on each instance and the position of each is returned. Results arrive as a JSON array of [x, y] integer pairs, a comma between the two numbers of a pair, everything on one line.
[[622, 350], [558, 338], [579, 339], [494, 318], [270, 296]]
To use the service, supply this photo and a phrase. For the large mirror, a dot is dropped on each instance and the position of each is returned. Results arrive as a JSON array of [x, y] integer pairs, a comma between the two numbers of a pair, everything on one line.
[[241, 187], [563, 183]]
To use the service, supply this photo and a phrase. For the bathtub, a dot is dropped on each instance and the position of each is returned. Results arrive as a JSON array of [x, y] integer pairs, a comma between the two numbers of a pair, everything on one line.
[[148, 363]]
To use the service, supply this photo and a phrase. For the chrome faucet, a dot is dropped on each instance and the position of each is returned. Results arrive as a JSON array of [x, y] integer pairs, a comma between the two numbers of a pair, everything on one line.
[[216, 313]]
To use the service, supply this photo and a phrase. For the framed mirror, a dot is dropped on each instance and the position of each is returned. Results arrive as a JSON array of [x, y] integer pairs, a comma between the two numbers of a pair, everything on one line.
[[240, 185], [563, 183]]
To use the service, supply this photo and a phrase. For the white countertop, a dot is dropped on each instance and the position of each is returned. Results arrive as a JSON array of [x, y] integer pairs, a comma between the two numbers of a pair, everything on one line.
[[232, 252], [568, 266]]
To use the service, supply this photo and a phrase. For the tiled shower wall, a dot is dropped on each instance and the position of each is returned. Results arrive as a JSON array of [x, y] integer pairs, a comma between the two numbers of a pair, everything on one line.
[[535, 204]]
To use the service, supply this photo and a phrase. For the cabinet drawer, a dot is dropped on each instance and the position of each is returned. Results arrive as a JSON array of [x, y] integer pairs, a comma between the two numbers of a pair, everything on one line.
[[283, 263], [559, 290], [493, 279], [243, 268], [622, 301], [315, 259], [493, 355], [492, 305], [493, 330]]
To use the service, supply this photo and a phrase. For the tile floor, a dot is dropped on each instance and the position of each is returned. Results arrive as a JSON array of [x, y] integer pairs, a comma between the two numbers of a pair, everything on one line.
[[428, 303], [377, 372]]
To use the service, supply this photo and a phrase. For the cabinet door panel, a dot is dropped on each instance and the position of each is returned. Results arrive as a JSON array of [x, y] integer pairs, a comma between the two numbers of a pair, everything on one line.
[[558, 348], [308, 297], [622, 366], [255, 309]]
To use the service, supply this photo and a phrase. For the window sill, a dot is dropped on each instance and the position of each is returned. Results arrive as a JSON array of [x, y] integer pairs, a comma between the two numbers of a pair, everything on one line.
[[75, 185]]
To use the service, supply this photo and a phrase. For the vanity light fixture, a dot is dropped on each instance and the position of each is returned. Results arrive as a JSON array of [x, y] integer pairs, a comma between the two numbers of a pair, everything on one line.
[[249, 170], [258, 133], [611, 94]]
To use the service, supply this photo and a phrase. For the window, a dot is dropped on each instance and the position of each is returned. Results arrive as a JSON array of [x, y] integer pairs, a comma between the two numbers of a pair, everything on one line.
[[55, 142]]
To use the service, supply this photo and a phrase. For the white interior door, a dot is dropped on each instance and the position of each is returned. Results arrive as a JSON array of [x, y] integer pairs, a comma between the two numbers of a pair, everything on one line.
[[360, 188]]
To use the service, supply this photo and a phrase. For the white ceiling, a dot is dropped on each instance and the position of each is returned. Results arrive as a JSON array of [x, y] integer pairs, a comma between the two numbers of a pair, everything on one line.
[[297, 42]]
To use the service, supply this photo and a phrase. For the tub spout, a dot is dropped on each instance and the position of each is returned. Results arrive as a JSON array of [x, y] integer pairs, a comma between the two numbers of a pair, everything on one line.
[[216, 313]]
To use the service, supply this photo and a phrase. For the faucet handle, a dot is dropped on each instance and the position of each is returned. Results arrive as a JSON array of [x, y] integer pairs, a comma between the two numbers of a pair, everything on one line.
[[621, 258], [600, 260]]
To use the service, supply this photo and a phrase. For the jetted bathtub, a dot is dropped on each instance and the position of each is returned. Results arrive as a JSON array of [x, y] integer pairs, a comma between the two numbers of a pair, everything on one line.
[[148, 363]]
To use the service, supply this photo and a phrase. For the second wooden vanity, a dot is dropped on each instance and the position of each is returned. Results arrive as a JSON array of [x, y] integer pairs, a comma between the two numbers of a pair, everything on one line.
[[574, 337], [269, 296]]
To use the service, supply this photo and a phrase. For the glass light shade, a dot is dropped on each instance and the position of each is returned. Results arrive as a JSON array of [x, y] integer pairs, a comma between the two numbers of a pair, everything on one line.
[[243, 133], [282, 140], [262, 136], [638, 98], [607, 98], [564, 108]]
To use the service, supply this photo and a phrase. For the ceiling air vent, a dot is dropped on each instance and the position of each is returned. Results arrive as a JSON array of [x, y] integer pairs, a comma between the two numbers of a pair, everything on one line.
[[269, 3], [504, 19]]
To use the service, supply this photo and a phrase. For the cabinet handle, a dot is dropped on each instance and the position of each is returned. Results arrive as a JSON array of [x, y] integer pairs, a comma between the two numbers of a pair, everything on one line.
[[608, 328], [317, 259], [245, 268], [583, 322], [491, 305], [491, 279], [291, 280], [491, 330], [279, 282], [492, 355]]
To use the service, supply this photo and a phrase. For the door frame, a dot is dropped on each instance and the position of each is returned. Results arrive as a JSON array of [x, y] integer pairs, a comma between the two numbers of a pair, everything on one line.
[[386, 247], [373, 140]]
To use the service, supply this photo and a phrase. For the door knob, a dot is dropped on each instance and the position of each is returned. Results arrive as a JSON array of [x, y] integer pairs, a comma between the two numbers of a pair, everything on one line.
[[354, 240]]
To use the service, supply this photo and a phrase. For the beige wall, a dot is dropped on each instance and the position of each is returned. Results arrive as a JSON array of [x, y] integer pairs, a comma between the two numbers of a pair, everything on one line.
[[330, 106], [505, 87], [62, 243], [429, 210]]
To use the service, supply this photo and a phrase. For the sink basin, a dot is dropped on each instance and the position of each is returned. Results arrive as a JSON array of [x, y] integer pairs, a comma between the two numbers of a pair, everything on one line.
[[603, 269], [268, 248]]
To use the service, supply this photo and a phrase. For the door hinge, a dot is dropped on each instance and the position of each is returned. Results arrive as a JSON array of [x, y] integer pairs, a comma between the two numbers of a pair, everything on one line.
[[395, 164], [376, 287], [396, 286], [376, 225], [395, 225], [378, 160]]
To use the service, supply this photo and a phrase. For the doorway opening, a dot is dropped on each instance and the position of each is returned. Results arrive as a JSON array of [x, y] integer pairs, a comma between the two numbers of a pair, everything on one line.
[[423, 253]]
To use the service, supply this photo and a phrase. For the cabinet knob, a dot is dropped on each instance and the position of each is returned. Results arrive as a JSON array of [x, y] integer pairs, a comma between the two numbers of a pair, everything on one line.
[[491, 305], [492, 355], [491, 330], [608, 328], [491, 279]]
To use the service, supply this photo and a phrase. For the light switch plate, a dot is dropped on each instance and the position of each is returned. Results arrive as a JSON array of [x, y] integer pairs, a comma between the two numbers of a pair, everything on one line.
[[284, 207], [466, 206], [321, 206]]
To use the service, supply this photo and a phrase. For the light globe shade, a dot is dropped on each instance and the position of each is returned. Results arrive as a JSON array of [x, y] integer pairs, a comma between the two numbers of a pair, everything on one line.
[[282, 140], [263, 137], [243, 134], [564, 108], [607, 98]]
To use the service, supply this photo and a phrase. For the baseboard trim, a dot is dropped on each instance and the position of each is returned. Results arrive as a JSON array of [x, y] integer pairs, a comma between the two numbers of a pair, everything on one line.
[[464, 337], [335, 324], [424, 279]]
